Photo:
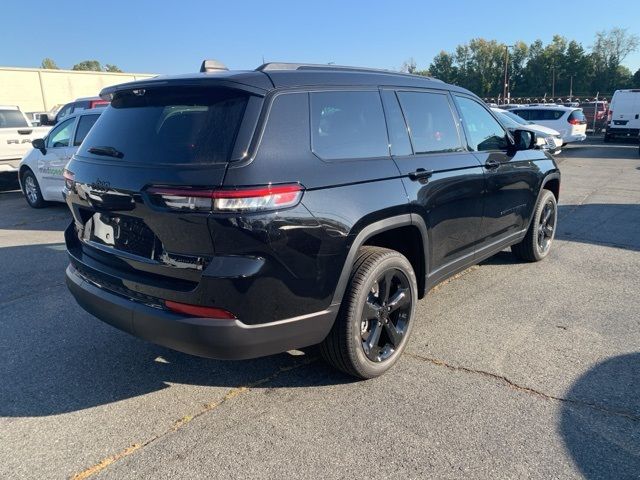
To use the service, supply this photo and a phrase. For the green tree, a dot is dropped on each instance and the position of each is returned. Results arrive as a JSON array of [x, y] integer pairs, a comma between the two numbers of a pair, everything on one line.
[[89, 65], [443, 68], [49, 63], [636, 79], [609, 50], [111, 68]]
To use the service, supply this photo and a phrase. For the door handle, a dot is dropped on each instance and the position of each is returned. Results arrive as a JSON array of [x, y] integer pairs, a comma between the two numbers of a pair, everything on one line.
[[420, 173], [491, 164]]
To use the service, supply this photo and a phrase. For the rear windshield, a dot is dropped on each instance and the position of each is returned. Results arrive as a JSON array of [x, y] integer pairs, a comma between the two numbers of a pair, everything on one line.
[[12, 119], [577, 115], [168, 126]]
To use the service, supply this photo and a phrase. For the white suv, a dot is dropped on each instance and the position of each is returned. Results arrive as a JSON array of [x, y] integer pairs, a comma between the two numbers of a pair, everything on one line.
[[568, 121]]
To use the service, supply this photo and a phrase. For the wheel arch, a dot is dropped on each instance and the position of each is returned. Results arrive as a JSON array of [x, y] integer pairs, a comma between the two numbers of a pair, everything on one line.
[[21, 171], [380, 233]]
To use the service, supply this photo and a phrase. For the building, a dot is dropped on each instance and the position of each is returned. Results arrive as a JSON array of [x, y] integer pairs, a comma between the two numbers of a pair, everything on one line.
[[40, 90]]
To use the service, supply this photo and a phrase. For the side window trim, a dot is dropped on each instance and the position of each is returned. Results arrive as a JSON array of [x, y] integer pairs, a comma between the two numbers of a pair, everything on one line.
[[385, 107]]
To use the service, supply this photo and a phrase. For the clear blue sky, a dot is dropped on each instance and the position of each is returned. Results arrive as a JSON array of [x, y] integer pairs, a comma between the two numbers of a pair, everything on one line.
[[174, 36]]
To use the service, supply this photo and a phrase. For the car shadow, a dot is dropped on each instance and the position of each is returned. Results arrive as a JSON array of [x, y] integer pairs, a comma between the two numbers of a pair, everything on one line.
[[617, 227], [596, 148], [56, 358], [600, 422], [18, 215]]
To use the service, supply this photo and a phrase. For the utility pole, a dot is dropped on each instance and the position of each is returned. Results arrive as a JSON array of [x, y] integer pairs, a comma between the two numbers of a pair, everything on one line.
[[505, 90], [553, 83], [571, 88]]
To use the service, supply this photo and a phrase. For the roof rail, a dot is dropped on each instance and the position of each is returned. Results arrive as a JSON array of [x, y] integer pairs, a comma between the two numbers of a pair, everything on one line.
[[275, 66]]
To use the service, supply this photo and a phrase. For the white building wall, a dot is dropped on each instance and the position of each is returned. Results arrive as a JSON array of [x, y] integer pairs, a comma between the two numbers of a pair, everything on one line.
[[39, 90]]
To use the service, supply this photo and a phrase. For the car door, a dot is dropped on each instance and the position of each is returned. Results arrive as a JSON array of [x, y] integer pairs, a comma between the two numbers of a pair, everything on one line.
[[511, 177], [58, 153], [443, 181]]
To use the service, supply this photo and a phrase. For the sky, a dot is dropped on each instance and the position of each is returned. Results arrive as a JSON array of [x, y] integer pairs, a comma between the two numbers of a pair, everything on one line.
[[173, 36]]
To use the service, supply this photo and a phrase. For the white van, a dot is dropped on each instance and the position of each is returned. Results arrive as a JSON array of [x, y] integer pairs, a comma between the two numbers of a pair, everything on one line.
[[41, 170], [624, 115]]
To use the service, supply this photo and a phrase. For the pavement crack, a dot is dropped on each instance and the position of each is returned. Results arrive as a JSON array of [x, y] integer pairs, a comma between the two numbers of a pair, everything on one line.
[[207, 407], [531, 391]]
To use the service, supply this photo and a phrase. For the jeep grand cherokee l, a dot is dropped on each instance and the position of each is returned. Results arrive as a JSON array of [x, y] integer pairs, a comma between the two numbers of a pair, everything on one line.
[[235, 214]]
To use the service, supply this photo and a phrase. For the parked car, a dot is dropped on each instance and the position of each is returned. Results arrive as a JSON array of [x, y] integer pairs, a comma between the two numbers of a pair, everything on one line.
[[40, 171], [624, 115], [235, 214], [569, 122], [595, 114], [552, 139], [16, 134], [86, 103]]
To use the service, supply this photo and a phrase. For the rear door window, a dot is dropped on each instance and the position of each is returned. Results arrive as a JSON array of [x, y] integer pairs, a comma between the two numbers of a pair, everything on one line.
[[431, 123], [84, 125], [348, 125], [175, 125], [483, 131]]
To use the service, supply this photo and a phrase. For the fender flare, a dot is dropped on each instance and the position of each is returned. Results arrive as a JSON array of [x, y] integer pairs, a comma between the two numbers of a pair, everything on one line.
[[369, 231]]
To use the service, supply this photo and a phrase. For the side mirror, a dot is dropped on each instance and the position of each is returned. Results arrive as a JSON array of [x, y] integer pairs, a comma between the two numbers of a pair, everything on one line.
[[39, 144], [45, 120], [524, 140]]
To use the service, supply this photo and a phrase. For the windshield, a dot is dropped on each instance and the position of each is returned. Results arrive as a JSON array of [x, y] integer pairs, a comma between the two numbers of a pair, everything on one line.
[[507, 121], [12, 119], [168, 126], [516, 118]]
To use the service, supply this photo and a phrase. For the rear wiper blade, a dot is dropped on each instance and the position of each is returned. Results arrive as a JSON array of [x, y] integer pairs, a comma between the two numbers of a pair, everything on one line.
[[106, 151]]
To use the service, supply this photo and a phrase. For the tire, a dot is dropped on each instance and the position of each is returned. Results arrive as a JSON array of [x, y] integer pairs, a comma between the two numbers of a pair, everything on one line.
[[536, 244], [367, 317], [31, 190]]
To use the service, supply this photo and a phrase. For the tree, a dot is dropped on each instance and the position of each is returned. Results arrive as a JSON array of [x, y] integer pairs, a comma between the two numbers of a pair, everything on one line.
[[609, 50], [443, 68], [88, 65], [111, 68], [49, 63], [409, 66], [636, 79]]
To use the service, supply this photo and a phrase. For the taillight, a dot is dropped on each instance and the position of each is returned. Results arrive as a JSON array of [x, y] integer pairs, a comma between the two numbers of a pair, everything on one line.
[[270, 197], [199, 310], [573, 121], [249, 199], [69, 179]]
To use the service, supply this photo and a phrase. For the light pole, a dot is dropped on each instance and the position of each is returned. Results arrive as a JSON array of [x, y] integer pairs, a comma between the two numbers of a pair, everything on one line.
[[553, 82], [571, 88], [505, 90]]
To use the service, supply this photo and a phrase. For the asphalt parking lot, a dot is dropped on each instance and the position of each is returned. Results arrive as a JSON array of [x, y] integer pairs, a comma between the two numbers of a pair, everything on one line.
[[514, 370]]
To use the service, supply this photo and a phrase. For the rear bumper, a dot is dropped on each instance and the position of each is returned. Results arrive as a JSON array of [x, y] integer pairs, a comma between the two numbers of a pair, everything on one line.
[[205, 337], [622, 132], [9, 165], [578, 137]]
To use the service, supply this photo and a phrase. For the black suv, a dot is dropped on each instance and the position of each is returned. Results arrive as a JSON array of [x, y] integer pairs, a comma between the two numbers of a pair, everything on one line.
[[235, 214]]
